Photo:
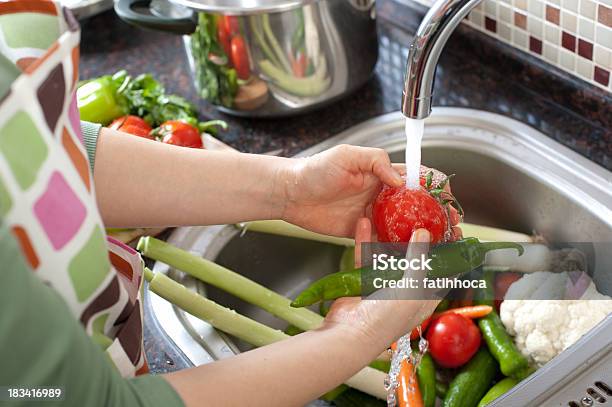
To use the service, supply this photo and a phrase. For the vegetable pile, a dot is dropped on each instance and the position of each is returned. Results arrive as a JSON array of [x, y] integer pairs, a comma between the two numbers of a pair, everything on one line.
[[141, 106]]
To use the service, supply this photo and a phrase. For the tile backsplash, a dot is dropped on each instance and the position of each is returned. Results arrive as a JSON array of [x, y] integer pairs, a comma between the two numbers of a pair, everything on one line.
[[573, 35]]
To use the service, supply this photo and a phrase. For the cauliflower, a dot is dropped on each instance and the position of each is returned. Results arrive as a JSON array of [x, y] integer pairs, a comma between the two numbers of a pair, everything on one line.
[[544, 328]]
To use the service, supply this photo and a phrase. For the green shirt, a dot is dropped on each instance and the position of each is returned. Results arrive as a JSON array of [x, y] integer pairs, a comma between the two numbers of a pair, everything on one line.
[[43, 345]]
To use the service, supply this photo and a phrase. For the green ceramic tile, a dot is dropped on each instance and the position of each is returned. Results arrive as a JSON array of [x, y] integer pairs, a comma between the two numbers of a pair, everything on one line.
[[23, 147]]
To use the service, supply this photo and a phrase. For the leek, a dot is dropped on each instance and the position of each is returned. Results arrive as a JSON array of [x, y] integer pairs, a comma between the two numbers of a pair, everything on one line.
[[367, 380], [229, 281], [282, 228]]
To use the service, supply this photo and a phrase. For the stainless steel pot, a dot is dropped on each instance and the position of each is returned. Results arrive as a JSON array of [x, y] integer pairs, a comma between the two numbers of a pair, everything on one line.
[[268, 58]]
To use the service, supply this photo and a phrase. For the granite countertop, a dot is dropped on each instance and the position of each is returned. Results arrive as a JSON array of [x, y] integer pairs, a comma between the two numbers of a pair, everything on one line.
[[474, 72]]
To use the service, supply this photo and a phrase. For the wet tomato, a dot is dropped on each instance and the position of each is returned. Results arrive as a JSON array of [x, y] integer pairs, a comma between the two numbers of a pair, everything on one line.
[[180, 134], [132, 125], [399, 211], [453, 340]]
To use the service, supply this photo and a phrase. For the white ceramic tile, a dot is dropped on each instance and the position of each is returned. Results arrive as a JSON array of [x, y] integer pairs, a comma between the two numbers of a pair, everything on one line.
[[490, 7], [520, 38], [587, 8], [571, 5], [569, 21], [556, 2], [602, 57], [535, 26], [603, 35], [505, 32], [505, 13], [522, 4], [536, 8], [567, 59], [584, 68], [552, 34], [586, 29], [477, 18], [551, 53]]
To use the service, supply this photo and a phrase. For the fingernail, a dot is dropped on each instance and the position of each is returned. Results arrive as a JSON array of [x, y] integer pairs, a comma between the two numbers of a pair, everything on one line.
[[397, 178], [421, 235]]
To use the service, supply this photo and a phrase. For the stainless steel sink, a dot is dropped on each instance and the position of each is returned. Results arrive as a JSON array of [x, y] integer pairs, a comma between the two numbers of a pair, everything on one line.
[[508, 175]]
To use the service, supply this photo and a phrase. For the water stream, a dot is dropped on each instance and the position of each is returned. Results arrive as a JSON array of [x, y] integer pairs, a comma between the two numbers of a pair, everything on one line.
[[414, 135]]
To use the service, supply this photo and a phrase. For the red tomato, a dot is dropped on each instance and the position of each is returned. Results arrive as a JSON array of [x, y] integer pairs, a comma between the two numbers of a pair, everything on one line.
[[399, 211], [180, 134], [231, 25], [224, 40], [240, 58], [132, 125], [453, 340], [414, 335], [503, 281]]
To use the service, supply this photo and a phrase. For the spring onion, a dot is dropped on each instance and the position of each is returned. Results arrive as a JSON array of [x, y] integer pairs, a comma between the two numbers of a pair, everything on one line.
[[281, 228], [229, 281], [367, 380]]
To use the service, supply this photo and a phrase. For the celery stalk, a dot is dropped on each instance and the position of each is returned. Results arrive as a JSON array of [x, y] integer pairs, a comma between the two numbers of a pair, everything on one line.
[[282, 228], [368, 380], [265, 19], [312, 85], [227, 280]]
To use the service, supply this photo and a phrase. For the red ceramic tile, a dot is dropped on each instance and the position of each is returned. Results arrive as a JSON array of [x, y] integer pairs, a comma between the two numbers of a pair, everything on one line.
[[601, 76], [552, 14], [585, 49], [568, 41], [490, 24], [520, 20], [605, 15], [535, 45]]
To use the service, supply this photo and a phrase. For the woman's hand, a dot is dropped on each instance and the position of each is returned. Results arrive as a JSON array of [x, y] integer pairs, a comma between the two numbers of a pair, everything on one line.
[[329, 191], [382, 320]]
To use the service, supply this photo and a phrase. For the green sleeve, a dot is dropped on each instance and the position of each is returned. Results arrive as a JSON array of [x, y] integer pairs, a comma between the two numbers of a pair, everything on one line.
[[43, 345], [90, 133]]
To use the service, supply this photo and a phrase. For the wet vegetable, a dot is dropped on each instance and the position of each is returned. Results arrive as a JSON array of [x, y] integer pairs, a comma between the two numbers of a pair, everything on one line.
[[453, 340], [500, 343], [408, 389], [441, 389], [472, 382], [448, 260], [426, 374], [500, 388]]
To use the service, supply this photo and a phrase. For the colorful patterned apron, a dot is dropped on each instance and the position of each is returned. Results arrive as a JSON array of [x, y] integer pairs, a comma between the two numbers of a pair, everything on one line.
[[47, 197]]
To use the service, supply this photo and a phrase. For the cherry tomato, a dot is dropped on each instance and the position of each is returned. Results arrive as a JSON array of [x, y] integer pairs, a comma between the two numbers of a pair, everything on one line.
[[453, 340], [240, 58], [231, 25], [224, 40], [414, 335], [132, 125], [180, 134], [399, 211], [503, 281]]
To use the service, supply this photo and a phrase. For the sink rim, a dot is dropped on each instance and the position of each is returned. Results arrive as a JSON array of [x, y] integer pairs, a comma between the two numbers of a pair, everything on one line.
[[502, 138]]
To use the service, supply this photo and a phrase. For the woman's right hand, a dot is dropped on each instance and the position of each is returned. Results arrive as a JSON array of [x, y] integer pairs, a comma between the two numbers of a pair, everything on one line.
[[380, 321]]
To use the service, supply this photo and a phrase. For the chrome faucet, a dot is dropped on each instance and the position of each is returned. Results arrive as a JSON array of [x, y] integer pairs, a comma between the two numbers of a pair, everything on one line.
[[435, 29]]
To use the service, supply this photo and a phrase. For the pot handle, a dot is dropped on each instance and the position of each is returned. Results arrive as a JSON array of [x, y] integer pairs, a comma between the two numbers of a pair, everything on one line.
[[125, 11]]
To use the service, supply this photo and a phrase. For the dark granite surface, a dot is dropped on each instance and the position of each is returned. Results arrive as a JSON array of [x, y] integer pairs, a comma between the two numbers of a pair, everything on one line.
[[475, 71]]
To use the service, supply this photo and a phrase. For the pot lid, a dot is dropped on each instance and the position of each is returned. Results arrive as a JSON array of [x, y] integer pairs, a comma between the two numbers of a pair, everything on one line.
[[242, 7]]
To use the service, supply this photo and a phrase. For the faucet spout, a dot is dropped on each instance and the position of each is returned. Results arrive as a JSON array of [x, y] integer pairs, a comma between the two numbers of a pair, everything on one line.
[[435, 29]]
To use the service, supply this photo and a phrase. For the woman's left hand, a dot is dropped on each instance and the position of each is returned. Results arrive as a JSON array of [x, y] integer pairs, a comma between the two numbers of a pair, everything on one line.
[[329, 191]]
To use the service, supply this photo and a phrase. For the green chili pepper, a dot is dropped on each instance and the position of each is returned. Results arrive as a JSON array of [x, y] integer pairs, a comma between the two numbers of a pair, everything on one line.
[[443, 305], [500, 343], [455, 258], [97, 103], [447, 260]]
